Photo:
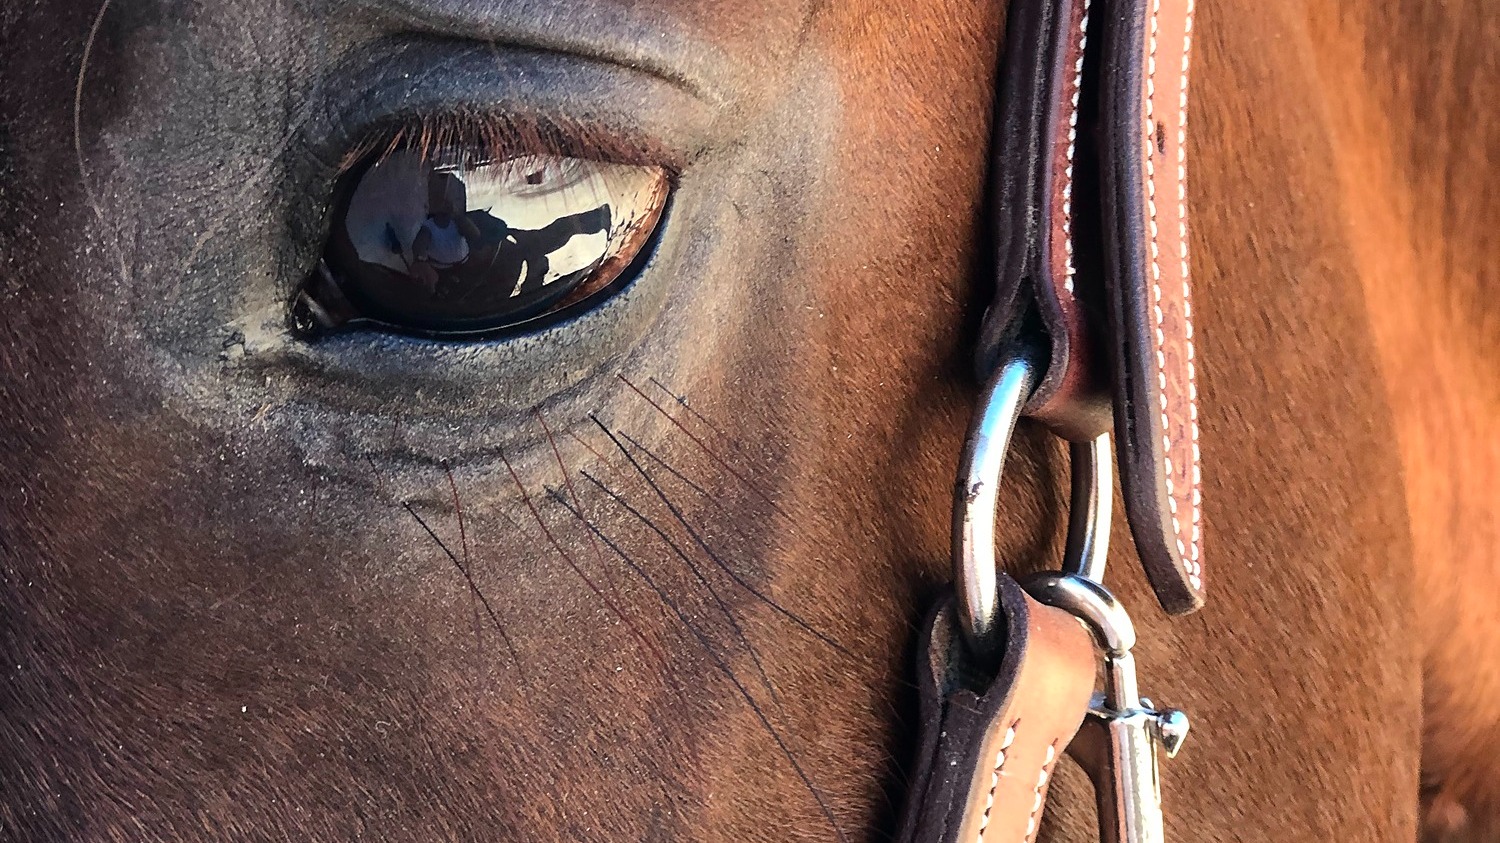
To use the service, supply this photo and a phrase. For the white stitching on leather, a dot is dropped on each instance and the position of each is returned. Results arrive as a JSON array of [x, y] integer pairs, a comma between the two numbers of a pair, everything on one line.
[[1067, 192], [1195, 566], [1041, 784], [989, 803], [1190, 560]]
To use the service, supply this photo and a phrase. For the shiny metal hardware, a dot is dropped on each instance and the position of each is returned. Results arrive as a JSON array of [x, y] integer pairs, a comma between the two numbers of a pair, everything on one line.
[[1118, 741], [976, 573], [1092, 507], [976, 570]]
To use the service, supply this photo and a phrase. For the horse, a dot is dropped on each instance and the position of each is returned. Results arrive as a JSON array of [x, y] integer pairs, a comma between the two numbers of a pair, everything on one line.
[[653, 570]]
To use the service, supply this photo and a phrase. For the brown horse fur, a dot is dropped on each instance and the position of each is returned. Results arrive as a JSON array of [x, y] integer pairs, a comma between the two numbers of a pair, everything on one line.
[[639, 617], [1420, 144]]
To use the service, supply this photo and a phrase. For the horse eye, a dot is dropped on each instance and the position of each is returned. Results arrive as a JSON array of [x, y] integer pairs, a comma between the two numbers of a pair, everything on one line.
[[438, 245]]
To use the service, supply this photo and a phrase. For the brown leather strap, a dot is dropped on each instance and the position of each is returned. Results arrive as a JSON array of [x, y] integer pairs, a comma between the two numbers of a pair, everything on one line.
[[990, 741], [1143, 133], [1035, 175], [992, 733], [1090, 209]]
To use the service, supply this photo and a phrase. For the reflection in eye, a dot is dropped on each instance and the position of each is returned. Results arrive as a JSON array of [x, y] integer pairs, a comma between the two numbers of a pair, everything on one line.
[[432, 244]]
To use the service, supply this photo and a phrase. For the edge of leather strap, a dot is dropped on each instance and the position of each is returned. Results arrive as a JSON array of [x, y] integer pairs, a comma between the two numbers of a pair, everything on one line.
[[990, 742], [1144, 113], [1032, 191]]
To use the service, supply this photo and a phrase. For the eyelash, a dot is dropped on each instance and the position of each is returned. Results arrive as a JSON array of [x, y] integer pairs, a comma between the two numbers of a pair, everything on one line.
[[499, 137]]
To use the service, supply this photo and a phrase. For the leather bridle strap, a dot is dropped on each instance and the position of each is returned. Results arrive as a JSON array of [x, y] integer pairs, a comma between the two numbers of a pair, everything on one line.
[[1143, 132], [1040, 184], [990, 741], [1090, 224], [1090, 227]]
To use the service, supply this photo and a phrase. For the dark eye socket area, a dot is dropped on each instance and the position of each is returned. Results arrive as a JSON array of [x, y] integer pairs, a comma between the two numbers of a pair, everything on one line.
[[466, 228]]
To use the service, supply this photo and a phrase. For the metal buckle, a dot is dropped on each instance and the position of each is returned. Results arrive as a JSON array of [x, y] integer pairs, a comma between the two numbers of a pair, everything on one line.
[[1118, 741]]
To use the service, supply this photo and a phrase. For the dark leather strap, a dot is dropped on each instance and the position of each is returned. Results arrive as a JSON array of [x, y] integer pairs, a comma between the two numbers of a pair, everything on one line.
[[990, 741], [1143, 135], [1035, 168], [1089, 200], [1091, 219]]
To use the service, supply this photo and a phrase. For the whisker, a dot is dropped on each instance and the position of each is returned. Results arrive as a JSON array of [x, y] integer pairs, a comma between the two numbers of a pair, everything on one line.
[[585, 443], [723, 667], [739, 631], [668, 674], [463, 538], [588, 581], [700, 443], [702, 419], [473, 588], [788, 614], [557, 497], [568, 482], [379, 484], [474, 591], [712, 499], [458, 509], [83, 69]]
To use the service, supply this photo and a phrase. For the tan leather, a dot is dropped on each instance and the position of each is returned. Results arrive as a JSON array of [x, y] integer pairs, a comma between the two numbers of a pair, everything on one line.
[[991, 743], [1143, 135]]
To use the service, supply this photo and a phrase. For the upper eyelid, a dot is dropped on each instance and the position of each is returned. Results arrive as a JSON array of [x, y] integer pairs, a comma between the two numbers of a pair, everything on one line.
[[402, 80], [502, 136], [666, 52]]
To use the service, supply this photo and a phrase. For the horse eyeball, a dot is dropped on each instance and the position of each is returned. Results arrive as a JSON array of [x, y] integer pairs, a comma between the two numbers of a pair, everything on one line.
[[438, 245]]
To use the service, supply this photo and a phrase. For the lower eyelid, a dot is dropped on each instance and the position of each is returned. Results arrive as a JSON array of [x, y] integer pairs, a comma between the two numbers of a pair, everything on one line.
[[474, 380]]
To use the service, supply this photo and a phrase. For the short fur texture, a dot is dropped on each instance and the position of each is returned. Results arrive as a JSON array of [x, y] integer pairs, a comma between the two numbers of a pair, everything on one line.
[[652, 575]]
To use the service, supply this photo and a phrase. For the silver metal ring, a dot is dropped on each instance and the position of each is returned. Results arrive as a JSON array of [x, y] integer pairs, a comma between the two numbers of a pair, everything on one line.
[[1107, 620], [976, 570], [1091, 603], [1092, 508]]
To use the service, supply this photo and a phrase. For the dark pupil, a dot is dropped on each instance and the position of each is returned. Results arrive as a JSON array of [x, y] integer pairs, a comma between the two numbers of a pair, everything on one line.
[[420, 244]]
